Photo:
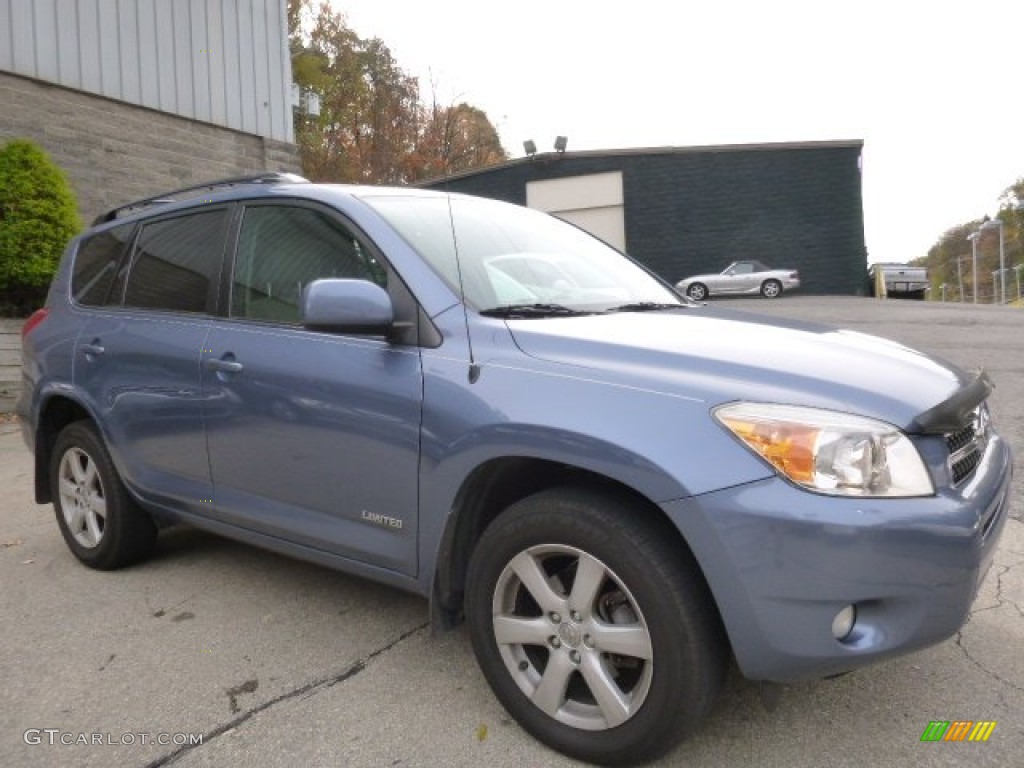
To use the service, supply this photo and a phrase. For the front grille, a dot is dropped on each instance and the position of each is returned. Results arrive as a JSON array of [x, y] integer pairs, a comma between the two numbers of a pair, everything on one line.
[[956, 441], [967, 446], [963, 468]]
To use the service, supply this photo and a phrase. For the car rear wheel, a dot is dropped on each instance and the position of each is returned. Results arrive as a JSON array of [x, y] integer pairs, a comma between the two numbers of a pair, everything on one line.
[[771, 289], [697, 291], [594, 630], [101, 524]]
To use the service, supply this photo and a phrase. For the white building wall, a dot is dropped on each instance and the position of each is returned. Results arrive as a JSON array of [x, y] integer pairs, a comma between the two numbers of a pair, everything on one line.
[[224, 62]]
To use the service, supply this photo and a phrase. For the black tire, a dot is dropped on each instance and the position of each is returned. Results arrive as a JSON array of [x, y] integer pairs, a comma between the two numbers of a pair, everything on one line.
[[771, 289], [641, 578], [101, 524], [697, 291]]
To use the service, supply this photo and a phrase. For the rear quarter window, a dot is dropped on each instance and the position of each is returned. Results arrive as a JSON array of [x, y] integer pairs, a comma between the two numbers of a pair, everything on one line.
[[96, 266]]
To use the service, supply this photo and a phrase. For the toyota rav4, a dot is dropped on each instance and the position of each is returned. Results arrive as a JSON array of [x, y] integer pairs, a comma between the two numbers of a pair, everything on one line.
[[618, 489]]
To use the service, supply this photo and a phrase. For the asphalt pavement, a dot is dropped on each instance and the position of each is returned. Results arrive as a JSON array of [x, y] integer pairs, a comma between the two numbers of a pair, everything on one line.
[[271, 662]]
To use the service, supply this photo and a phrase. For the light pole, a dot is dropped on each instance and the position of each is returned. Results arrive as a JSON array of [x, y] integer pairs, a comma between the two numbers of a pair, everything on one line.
[[973, 237], [1018, 206], [998, 224], [960, 277]]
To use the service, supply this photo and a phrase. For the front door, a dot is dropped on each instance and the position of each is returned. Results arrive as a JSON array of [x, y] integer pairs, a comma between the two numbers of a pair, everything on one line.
[[313, 436]]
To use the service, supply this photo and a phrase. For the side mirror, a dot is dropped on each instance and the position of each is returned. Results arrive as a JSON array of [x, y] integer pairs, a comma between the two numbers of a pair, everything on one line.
[[351, 306]]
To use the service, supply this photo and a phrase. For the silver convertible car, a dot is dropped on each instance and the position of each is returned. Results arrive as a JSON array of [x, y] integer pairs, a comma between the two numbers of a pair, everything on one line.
[[741, 278]]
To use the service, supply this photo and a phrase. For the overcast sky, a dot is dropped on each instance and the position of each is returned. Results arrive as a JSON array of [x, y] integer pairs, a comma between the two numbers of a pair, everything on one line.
[[935, 89]]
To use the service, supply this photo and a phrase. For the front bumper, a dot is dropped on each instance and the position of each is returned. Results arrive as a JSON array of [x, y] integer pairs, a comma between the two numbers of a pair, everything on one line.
[[782, 562]]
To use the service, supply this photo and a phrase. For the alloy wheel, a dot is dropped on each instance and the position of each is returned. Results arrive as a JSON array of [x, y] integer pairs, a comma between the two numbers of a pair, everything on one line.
[[82, 498], [572, 637]]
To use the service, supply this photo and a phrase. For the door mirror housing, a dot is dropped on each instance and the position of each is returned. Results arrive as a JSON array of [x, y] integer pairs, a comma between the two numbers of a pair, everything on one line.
[[349, 306]]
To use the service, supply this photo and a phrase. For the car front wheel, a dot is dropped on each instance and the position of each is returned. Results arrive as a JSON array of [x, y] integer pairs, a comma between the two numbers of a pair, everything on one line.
[[697, 291], [594, 629], [101, 524]]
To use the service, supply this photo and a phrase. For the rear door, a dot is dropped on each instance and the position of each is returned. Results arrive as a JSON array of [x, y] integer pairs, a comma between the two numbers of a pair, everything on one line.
[[137, 356], [313, 436]]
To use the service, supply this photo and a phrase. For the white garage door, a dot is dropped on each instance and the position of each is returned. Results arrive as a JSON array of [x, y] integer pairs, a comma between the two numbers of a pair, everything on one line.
[[593, 202]]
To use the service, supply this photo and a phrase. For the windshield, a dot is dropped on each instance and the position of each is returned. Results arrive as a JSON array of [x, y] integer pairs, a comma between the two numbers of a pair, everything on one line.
[[504, 255]]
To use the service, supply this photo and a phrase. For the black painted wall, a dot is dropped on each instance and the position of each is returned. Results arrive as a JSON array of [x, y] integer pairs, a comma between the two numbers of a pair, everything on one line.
[[693, 210]]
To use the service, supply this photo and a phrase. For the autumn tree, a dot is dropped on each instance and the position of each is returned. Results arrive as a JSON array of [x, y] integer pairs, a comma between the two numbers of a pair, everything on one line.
[[456, 138], [950, 260], [391, 116], [947, 264], [1011, 213], [373, 126]]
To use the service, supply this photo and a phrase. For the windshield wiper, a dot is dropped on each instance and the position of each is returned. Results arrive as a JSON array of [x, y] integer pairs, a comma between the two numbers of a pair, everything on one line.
[[533, 310], [645, 306]]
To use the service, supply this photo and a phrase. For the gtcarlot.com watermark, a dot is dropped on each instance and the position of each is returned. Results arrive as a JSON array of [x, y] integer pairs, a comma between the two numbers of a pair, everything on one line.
[[57, 737]]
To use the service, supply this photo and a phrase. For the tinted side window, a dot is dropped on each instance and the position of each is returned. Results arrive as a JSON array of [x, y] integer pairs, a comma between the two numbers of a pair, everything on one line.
[[281, 249], [96, 266], [175, 261]]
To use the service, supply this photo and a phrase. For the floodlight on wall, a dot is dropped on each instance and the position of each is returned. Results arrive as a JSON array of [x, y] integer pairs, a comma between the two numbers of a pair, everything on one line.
[[560, 143], [305, 100], [530, 148], [312, 104]]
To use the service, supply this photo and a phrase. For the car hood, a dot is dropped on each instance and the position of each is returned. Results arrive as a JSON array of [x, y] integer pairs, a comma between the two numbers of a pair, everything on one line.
[[721, 355]]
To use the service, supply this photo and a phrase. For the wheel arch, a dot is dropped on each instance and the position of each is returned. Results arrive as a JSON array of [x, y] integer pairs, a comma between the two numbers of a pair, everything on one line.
[[704, 289], [490, 489], [55, 413]]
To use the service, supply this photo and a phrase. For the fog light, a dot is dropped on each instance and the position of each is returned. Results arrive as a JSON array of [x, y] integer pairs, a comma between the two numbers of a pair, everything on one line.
[[842, 624]]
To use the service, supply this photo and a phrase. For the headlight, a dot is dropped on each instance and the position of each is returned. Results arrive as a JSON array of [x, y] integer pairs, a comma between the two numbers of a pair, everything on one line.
[[830, 452]]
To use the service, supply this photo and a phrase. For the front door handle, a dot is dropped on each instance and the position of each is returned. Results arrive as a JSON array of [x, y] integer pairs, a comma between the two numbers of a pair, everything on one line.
[[93, 349], [223, 365]]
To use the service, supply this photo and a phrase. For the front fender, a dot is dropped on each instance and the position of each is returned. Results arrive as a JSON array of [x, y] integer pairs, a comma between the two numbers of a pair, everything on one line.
[[663, 446]]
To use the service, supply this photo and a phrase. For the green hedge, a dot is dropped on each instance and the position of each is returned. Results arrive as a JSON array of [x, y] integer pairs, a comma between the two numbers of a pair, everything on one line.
[[38, 216]]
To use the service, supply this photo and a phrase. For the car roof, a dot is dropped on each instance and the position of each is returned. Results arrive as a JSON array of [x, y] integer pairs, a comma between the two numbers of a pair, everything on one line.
[[249, 188]]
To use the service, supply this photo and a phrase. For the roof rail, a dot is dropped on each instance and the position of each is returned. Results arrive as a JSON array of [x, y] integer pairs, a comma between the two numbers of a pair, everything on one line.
[[185, 192]]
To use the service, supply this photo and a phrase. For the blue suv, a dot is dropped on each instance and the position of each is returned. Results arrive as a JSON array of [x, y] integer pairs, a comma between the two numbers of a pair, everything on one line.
[[618, 489]]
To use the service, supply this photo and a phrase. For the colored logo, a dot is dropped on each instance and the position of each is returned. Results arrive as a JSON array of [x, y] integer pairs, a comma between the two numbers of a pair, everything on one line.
[[958, 730]]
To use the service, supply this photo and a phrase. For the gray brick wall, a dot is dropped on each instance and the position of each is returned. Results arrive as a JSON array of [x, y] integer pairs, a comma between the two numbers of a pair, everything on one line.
[[10, 362], [114, 152]]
